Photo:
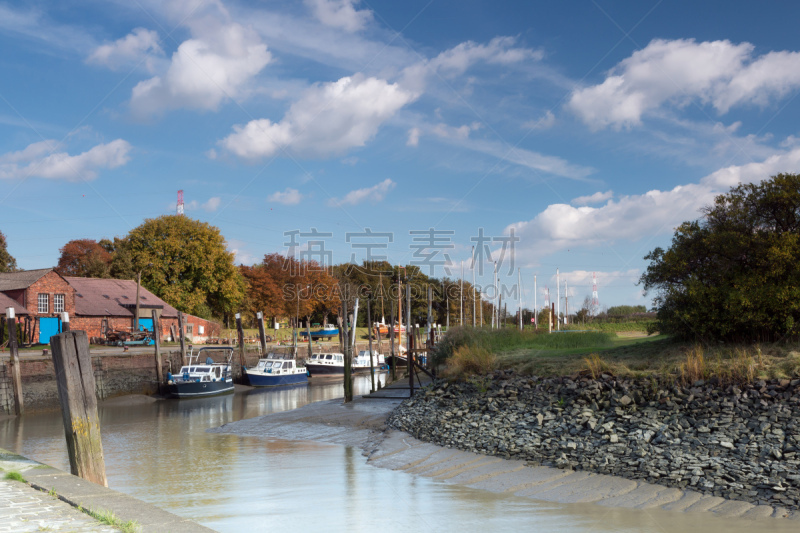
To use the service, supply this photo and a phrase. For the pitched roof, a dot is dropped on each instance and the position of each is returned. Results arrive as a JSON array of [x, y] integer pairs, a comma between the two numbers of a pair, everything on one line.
[[114, 297], [10, 281], [5, 301]]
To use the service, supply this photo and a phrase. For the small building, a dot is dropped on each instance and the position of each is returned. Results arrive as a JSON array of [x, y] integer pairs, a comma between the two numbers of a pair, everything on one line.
[[94, 305]]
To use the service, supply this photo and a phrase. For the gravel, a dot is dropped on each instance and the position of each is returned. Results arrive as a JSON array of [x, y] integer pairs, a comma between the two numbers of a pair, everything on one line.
[[736, 442]]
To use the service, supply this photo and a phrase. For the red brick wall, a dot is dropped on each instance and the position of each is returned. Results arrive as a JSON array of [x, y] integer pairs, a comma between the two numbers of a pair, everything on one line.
[[51, 283], [92, 324]]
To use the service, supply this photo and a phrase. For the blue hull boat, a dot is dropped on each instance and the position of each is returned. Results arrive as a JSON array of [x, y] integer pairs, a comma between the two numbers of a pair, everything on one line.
[[275, 370], [326, 333]]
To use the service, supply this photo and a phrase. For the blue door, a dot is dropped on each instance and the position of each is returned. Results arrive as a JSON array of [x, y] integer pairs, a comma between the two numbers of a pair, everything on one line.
[[47, 328], [146, 324]]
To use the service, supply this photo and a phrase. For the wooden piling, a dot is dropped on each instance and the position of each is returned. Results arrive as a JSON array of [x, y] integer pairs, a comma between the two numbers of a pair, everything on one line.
[[348, 385], [13, 346], [157, 344], [240, 331], [262, 335], [182, 339], [308, 332], [391, 344], [369, 336], [76, 392], [409, 342]]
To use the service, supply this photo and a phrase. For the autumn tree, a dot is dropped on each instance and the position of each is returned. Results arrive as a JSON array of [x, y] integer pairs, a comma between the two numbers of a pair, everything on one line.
[[121, 266], [7, 261], [733, 275], [283, 287], [84, 258], [186, 263]]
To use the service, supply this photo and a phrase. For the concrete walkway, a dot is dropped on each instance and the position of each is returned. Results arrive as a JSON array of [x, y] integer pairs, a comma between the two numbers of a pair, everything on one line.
[[24, 509], [50, 498]]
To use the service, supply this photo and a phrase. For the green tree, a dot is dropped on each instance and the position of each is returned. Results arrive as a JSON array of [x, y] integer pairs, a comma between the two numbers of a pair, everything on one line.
[[733, 275], [186, 263], [7, 261], [121, 266]]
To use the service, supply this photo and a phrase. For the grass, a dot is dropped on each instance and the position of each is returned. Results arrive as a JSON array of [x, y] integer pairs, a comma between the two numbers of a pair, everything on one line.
[[15, 476], [110, 519], [629, 325], [636, 356]]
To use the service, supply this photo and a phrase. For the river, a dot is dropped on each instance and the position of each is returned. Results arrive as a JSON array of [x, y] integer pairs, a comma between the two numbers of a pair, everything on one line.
[[160, 452]]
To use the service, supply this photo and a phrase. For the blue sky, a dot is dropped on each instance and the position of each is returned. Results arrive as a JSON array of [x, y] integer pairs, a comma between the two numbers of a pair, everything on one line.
[[589, 129]]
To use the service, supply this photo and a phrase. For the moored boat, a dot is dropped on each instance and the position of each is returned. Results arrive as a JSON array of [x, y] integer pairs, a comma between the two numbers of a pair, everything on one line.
[[328, 332], [362, 362], [325, 364], [276, 369], [209, 378]]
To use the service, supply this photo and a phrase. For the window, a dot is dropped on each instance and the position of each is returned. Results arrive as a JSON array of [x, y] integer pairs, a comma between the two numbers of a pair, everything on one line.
[[58, 303], [44, 303]]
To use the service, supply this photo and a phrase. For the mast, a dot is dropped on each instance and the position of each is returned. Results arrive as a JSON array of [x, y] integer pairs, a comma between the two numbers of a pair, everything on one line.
[[461, 294], [519, 296], [473, 286], [535, 310]]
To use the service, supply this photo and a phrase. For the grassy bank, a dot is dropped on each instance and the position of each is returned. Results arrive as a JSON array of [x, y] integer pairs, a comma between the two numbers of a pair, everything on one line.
[[468, 352], [628, 325]]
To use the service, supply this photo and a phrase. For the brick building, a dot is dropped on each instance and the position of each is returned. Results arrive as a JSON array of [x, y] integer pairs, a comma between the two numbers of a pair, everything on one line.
[[93, 304]]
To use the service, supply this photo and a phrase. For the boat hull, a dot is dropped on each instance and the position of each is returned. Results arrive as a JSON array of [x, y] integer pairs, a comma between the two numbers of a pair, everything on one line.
[[324, 370], [270, 380], [199, 389]]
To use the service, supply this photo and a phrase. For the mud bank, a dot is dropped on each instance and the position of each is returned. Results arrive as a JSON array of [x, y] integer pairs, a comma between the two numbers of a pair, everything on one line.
[[363, 424]]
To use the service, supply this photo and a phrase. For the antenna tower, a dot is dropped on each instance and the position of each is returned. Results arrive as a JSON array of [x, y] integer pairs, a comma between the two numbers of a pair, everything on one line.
[[595, 299], [180, 202]]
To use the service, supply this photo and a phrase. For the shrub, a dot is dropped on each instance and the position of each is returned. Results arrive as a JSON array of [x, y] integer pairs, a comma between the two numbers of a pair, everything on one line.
[[470, 361]]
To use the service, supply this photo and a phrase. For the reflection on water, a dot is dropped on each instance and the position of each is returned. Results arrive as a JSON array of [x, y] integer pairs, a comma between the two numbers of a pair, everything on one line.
[[159, 452]]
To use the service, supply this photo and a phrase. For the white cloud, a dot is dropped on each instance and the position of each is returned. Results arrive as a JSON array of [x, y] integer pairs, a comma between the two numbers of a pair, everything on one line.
[[212, 204], [413, 137], [562, 226], [457, 60], [204, 71], [328, 119], [141, 45], [544, 122], [682, 71], [42, 163], [595, 198], [452, 132], [340, 14], [288, 197], [376, 193], [731, 176]]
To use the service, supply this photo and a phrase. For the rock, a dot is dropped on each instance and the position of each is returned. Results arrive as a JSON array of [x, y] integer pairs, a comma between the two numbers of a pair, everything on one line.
[[625, 400]]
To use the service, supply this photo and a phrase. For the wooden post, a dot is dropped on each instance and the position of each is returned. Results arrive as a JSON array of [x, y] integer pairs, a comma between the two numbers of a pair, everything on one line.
[[369, 336], [76, 391], [182, 338], [308, 332], [157, 344], [262, 335], [136, 310], [348, 390], [64, 322], [409, 342], [391, 344], [16, 378], [240, 332], [339, 322]]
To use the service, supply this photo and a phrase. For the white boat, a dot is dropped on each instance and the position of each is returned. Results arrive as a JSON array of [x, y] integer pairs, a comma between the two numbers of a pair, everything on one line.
[[211, 377], [361, 362], [276, 369], [326, 364]]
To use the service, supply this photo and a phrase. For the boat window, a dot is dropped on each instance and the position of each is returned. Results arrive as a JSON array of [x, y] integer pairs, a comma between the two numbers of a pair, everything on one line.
[[338, 357], [329, 356], [218, 370], [184, 369], [313, 356], [276, 364], [289, 364]]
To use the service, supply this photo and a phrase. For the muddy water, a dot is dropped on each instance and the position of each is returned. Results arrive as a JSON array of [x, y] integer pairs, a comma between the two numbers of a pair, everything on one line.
[[159, 452]]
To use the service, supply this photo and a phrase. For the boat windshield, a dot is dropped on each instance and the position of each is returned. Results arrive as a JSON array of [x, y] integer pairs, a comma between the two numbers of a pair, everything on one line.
[[329, 356], [277, 364], [313, 356]]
